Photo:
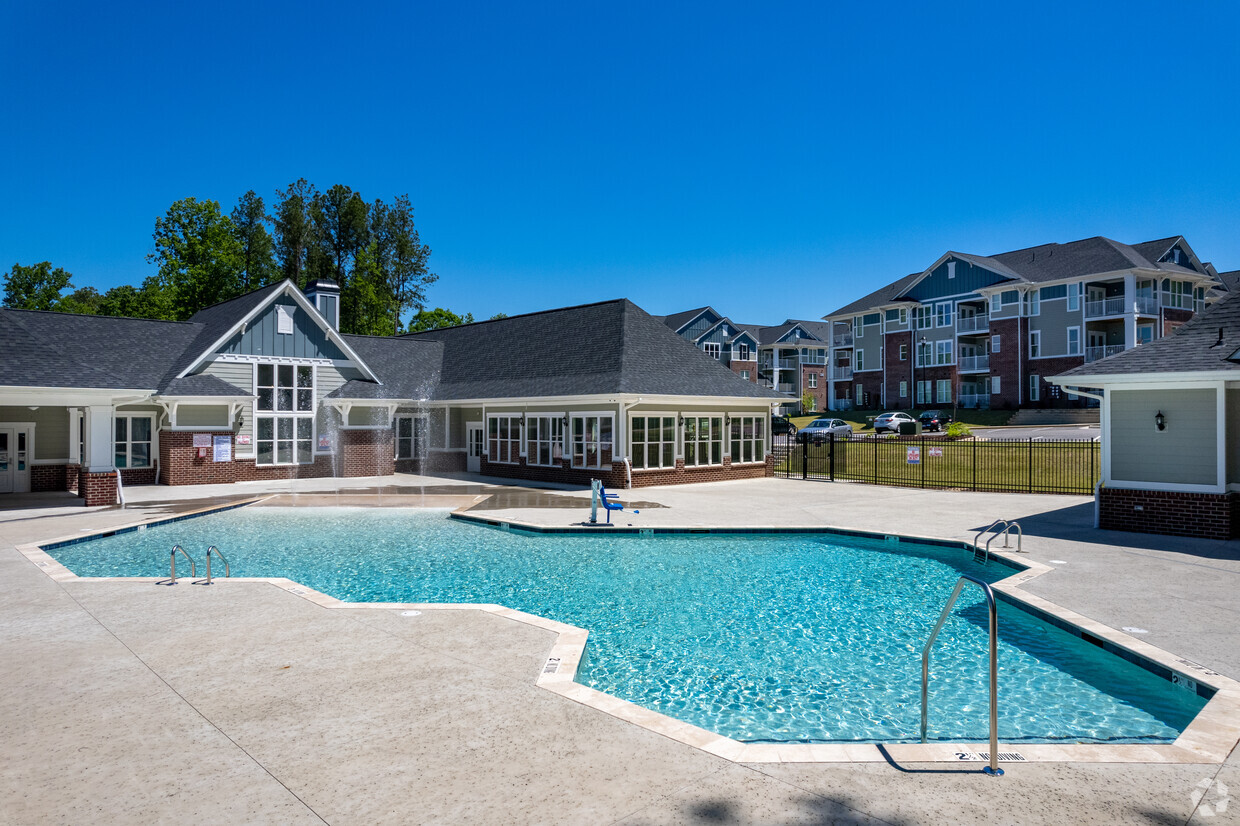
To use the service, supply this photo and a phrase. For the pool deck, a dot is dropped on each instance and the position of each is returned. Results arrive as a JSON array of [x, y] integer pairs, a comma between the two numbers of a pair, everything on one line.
[[244, 702]]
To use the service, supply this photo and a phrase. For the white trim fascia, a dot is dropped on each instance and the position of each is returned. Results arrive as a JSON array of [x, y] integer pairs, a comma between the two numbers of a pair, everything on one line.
[[242, 397], [27, 396], [234, 358], [611, 398], [1172, 487], [701, 313], [1148, 381], [289, 289]]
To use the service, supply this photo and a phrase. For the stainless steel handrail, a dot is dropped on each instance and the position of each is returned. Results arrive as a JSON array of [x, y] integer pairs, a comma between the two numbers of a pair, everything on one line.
[[1020, 538], [216, 551], [977, 536], [193, 566], [993, 769]]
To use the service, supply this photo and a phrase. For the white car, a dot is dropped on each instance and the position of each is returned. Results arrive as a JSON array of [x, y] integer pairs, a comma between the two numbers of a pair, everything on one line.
[[890, 422]]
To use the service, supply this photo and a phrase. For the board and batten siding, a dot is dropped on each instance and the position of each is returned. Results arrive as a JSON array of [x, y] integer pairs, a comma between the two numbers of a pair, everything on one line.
[[1184, 453], [260, 338]]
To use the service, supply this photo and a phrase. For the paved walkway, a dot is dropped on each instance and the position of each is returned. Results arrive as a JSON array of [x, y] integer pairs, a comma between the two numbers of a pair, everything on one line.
[[124, 702]]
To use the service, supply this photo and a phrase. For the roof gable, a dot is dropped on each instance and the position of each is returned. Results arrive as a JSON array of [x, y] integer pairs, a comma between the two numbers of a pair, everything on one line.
[[306, 336]]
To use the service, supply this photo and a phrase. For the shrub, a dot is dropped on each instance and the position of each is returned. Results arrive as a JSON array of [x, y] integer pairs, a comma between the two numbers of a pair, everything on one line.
[[958, 430]]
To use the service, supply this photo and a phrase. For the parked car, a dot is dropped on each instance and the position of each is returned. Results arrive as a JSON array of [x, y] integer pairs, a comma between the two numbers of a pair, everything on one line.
[[890, 422], [934, 420], [823, 428], [781, 425]]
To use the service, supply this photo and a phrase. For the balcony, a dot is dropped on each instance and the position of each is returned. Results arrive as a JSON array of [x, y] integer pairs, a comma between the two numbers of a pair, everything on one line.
[[843, 404], [841, 373], [808, 359], [1096, 353], [975, 401], [785, 387], [842, 340], [787, 363], [974, 364], [979, 323], [1106, 307], [1147, 306]]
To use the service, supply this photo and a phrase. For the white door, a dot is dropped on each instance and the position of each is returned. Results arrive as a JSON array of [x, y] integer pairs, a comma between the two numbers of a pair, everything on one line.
[[1097, 339], [15, 458], [473, 441]]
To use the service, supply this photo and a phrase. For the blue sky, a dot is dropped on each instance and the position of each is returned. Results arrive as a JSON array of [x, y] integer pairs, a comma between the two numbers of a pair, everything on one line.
[[773, 160]]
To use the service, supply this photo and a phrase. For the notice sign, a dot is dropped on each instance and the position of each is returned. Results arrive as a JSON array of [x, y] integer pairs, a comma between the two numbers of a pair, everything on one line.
[[222, 449], [243, 438], [936, 453], [202, 440], [914, 456], [325, 443]]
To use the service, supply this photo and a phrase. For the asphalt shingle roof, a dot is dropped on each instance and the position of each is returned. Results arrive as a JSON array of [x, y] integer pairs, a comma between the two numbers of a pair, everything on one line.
[[1202, 344], [202, 384], [678, 320], [884, 295], [409, 368], [609, 347]]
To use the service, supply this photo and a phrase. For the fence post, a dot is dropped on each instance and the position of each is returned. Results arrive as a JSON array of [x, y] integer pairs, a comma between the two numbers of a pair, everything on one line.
[[804, 456], [974, 464], [876, 458], [831, 463], [921, 460], [1031, 464]]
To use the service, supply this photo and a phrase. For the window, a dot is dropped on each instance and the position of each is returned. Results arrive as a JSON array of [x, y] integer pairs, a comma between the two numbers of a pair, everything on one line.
[[1032, 305], [285, 435], [944, 314], [745, 375], [943, 352], [742, 352], [1074, 297], [923, 392], [903, 315], [924, 351], [904, 389], [1199, 299], [1145, 334], [996, 303], [544, 440], [1179, 294], [713, 349], [860, 359], [860, 394], [994, 344], [858, 327], [903, 352], [994, 384], [951, 269], [1035, 388], [748, 439], [925, 318], [943, 391], [813, 380], [1074, 341], [1035, 343], [591, 441], [504, 438], [133, 441], [410, 437], [654, 441], [703, 440]]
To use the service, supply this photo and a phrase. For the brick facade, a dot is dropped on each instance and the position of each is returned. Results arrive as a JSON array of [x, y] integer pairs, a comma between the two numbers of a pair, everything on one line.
[[98, 488], [1172, 318], [49, 477], [616, 476], [1007, 362], [1205, 515], [871, 383], [897, 371], [367, 452], [1049, 394], [738, 367], [179, 464], [819, 391]]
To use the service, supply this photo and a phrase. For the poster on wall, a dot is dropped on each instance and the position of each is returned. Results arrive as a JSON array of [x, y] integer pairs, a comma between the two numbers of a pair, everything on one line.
[[325, 443], [202, 440], [243, 438], [223, 449]]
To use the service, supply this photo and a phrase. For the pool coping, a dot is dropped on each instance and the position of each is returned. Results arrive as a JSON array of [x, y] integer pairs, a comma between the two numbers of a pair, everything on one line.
[[1209, 738]]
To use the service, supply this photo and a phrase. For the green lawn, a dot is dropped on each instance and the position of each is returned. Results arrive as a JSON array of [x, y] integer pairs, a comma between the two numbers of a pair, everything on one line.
[[1036, 467], [860, 419]]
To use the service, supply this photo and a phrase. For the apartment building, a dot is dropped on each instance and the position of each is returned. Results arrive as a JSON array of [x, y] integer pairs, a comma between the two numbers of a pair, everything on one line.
[[789, 358], [988, 331]]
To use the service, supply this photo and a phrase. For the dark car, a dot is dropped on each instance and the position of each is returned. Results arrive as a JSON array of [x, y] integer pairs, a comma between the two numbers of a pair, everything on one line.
[[934, 420], [781, 425]]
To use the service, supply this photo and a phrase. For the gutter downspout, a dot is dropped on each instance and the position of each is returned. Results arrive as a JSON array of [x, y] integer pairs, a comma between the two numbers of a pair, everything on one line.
[[625, 407]]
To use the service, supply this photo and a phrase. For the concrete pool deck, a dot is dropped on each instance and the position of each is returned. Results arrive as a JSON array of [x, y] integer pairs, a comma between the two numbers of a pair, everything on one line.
[[123, 702]]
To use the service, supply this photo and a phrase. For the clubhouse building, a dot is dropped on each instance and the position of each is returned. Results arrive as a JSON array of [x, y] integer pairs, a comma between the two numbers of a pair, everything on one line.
[[266, 387]]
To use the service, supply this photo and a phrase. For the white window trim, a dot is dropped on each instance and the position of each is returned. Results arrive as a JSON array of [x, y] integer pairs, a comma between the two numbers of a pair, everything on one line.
[[859, 358], [904, 389], [994, 343], [675, 417], [415, 441], [939, 313], [713, 349], [1078, 350], [724, 443], [312, 415], [588, 414], [1035, 335], [762, 419], [1074, 297], [531, 445], [944, 346], [520, 440], [994, 384], [1035, 387], [129, 442]]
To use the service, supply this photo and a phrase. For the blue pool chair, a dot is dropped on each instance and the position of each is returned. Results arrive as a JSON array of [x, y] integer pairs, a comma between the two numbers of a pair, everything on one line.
[[608, 505]]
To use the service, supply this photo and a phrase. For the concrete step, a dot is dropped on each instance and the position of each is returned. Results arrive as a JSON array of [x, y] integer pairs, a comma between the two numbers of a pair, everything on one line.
[[1074, 415]]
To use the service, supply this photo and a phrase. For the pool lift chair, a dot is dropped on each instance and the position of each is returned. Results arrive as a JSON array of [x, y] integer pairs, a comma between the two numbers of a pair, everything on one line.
[[600, 496]]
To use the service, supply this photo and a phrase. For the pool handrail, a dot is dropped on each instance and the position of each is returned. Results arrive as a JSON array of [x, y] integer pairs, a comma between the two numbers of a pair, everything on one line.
[[193, 566], [1020, 538], [214, 550], [993, 769]]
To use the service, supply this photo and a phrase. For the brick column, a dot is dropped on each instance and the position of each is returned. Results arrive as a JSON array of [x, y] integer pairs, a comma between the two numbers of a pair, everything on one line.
[[98, 488], [367, 452]]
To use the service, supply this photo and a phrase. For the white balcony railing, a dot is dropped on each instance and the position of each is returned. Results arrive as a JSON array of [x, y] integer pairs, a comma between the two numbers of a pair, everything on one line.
[[785, 387], [787, 363], [843, 404], [975, 400], [842, 340], [974, 364], [1095, 353], [807, 359], [1147, 306], [973, 323], [1105, 307], [841, 373]]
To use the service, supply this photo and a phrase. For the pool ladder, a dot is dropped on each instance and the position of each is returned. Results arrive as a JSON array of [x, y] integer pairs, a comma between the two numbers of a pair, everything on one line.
[[984, 556], [193, 566], [993, 769]]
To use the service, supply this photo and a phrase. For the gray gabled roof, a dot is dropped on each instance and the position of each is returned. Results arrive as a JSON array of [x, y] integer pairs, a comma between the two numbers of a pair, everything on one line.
[[883, 295], [44, 349], [203, 384], [214, 322], [1203, 344], [593, 349], [409, 368], [677, 320]]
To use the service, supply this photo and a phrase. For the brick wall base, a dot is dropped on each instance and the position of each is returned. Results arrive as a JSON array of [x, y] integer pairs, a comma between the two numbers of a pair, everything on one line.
[[98, 488], [72, 472], [49, 477], [367, 453], [1205, 515]]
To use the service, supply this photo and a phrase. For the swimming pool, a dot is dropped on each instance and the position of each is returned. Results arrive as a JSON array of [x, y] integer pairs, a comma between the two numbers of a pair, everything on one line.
[[789, 637]]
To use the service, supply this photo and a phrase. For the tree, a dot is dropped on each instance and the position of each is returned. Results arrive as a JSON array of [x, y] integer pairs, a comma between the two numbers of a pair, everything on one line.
[[808, 402], [409, 276], [127, 300], [498, 316], [37, 287], [294, 229], [370, 300], [84, 301], [199, 259], [340, 230], [258, 267], [436, 319]]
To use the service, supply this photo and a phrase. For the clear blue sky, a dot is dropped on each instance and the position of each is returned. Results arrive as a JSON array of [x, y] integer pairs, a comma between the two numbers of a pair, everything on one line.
[[772, 160]]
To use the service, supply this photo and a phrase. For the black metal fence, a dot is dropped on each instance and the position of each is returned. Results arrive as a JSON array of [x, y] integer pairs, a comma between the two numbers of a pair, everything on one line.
[[1017, 465]]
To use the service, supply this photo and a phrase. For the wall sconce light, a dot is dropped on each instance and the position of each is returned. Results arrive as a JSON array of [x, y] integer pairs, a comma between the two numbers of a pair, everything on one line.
[[1160, 421], [727, 421], [681, 420], [565, 420]]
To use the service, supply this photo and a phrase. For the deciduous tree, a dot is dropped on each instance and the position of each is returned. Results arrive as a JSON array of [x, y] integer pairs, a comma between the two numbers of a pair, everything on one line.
[[37, 287], [198, 256], [436, 319]]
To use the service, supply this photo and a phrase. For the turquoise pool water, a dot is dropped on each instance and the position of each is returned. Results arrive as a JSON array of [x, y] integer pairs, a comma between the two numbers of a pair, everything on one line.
[[760, 637]]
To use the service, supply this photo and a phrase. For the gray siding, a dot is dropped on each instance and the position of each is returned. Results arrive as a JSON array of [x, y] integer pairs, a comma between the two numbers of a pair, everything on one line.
[[51, 429], [1053, 320], [240, 375], [203, 415], [1233, 436], [260, 338], [1184, 453]]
